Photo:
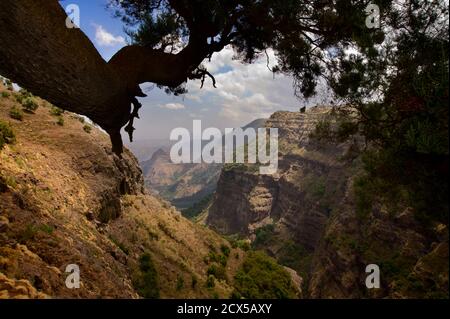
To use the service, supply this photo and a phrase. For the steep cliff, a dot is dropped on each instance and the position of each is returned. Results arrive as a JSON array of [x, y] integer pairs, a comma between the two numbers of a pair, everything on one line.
[[306, 216], [65, 198], [310, 181]]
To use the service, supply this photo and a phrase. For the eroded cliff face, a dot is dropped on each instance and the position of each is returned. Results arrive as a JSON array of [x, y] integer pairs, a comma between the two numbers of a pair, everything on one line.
[[242, 200], [298, 199], [306, 217]]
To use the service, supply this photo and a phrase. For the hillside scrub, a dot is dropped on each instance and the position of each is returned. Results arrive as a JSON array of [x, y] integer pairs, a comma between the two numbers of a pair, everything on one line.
[[7, 135], [260, 277]]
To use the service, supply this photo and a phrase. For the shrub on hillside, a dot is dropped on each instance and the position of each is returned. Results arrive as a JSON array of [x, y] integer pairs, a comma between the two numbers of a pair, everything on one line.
[[29, 104], [16, 114], [180, 282], [25, 93], [146, 281], [7, 135], [56, 111], [263, 235], [210, 282], [87, 128], [8, 84], [5, 94], [225, 250], [60, 121], [260, 277], [217, 271]]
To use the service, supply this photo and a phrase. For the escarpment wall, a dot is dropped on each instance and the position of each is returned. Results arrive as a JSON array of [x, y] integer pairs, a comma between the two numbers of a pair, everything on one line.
[[294, 197]]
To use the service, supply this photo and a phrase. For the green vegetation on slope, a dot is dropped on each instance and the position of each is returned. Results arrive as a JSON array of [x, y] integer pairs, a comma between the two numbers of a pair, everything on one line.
[[7, 135], [198, 207], [260, 277], [146, 281]]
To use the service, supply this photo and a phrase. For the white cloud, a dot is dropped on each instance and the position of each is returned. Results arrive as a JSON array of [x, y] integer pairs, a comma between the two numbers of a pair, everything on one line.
[[106, 39], [194, 98], [196, 116], [173, 106], [247, 91], [244, 92]]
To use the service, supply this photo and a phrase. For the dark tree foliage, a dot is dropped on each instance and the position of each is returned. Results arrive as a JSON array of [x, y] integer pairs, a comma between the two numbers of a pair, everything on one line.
[[399, 91], [300, 32]]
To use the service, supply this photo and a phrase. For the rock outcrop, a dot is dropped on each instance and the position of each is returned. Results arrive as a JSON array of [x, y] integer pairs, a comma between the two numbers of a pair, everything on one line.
[[306, 217]]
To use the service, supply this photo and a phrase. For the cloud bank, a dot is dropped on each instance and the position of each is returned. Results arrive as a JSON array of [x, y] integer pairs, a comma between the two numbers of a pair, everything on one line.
[[106, 39]]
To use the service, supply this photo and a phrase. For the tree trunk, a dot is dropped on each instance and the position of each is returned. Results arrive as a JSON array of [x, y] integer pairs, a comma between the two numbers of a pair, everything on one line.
[[61, 65]]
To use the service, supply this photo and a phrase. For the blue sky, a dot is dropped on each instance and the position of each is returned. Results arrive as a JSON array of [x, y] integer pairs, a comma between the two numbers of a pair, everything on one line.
[[244, 92]]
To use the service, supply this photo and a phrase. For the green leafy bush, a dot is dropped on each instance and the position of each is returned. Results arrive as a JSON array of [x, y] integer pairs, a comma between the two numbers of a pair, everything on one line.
[[56, 111], [29, 104], [5, 94], [263, 235], [260, 277], [87, 128], [146, 281], [225, 250], [28, 233], [210, 282], [25, 93], [218, 271], [180, 282], [243, 244], [60, 121], [16, 114], [7, 135], [216, 258], [48, 229]]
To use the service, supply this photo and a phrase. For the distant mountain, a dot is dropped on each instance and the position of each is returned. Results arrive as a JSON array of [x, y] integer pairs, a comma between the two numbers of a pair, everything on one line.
[[258, 123], [144, 149], [183, 184]]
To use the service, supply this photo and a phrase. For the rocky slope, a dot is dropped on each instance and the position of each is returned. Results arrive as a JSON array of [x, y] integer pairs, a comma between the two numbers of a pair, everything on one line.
[[66, 199], [305, 216]]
